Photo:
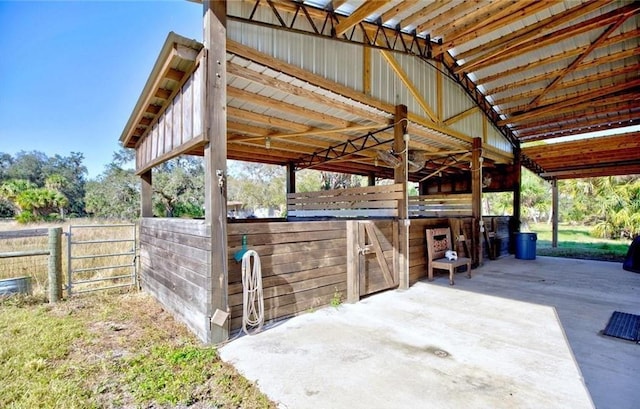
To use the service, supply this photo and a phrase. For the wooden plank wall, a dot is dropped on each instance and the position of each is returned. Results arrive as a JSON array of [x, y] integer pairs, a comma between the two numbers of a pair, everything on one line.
[[178, 128], [371, 201], [175, 270], [418, 242], [303, 265], [440, 205]]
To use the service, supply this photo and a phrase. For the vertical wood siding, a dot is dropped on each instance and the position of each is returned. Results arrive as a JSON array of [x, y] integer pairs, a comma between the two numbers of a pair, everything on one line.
[[179, 124]]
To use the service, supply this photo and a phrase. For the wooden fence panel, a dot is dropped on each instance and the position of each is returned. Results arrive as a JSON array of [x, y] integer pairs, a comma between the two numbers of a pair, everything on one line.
[[444, 205], [303, 265], [370, 201], [174, 268]]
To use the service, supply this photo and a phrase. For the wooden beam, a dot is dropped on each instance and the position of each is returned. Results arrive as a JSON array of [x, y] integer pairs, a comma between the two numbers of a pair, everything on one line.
[[517, 188], [291, 177], [572, 100], [476, 198], [366, 71], [519, 70], [401, 175], [393, 63], [365, 10], [146, 194], [462, 115], [583, 126], [527, 32], [574, 64], [522, 47], [554, 213], [279, 85], [306, 76], [448, 15], [631, 69], [423, 13], [440, 93], [589, 113], [492, 20], [286, 107], [397, 9], [551, 60], [215, 159]]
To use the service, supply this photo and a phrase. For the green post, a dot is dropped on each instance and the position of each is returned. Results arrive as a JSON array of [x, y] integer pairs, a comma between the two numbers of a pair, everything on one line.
[[55, 264]]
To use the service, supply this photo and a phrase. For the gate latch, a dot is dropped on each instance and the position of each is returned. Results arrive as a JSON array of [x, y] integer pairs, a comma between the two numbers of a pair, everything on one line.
[[364, 250]]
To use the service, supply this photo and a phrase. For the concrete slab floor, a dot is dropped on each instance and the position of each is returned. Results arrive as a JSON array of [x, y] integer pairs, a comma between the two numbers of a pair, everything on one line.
[[490, 342], [585, 294]]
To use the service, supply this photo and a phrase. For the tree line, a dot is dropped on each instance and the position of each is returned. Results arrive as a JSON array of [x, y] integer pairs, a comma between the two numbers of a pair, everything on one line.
[[36, 187]]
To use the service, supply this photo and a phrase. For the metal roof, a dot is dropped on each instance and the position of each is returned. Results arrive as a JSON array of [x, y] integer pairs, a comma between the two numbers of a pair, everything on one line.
[[541, 69], [538, 69]]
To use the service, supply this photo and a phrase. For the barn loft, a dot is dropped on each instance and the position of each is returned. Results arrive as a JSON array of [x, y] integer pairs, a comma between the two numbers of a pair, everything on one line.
[[456, 95]]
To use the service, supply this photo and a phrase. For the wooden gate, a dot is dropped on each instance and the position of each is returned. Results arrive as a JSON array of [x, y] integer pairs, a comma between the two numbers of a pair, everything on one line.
[[372, 257]]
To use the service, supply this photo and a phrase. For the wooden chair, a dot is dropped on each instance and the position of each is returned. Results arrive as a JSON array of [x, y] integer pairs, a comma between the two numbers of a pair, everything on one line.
[[438, 242]]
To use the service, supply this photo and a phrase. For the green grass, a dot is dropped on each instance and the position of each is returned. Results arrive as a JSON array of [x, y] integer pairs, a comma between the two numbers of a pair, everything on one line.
[[118, 350], [577, 242]]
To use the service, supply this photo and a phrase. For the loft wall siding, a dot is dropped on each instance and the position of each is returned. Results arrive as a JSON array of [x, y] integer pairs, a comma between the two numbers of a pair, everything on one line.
[[174, 268]]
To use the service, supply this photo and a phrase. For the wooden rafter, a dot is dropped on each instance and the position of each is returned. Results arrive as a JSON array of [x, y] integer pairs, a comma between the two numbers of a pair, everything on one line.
[[490, 21], [515, 38], [562, 56], [285, 107], [575, 99], [275, 83], [423, 13], [448, 15], [623, 71], [396, 10], [580, 58], [590, 112], [366, 9], [581, 98], [535, 42], [461, 115], [585, 65], [393, 63]]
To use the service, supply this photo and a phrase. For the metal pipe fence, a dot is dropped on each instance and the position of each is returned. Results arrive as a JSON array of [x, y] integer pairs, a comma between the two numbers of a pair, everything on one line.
[[101, 257]]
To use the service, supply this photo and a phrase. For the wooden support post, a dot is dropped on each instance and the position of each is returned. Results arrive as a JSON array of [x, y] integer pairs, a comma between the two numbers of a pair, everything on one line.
[[371, 181], [215, 157], [146, 195], [353, 263], [400, 175], [366, 70], [55, 264], [554, 213], [439, 92], [291, 177], [476, 199], [517, 181]]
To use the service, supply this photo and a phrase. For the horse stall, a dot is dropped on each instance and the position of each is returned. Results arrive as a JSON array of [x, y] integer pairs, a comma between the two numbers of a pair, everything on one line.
[[234, 97]]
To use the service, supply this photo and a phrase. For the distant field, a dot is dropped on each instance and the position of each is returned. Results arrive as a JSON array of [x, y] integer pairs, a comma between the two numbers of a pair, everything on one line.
[[93, 255], [575, 241]]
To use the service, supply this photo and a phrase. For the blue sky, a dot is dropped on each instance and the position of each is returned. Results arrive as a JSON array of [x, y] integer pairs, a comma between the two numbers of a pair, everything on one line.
[[71, 72]]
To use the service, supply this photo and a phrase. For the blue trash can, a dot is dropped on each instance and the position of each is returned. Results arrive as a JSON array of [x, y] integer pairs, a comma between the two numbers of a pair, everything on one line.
[[526, 246]]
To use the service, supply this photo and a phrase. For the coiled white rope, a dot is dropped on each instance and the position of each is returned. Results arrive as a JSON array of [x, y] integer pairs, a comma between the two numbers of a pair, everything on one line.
[[252, 297]]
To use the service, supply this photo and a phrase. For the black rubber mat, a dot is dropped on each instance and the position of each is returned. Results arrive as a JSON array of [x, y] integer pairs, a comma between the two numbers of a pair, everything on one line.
[[624, 325]]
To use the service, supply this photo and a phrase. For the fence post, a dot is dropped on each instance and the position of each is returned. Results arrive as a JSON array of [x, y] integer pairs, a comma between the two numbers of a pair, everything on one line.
[[55, 264]]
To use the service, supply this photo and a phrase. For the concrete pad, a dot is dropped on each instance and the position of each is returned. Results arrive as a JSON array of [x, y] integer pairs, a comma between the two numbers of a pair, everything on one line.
[[584, 293], [429, 346]]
